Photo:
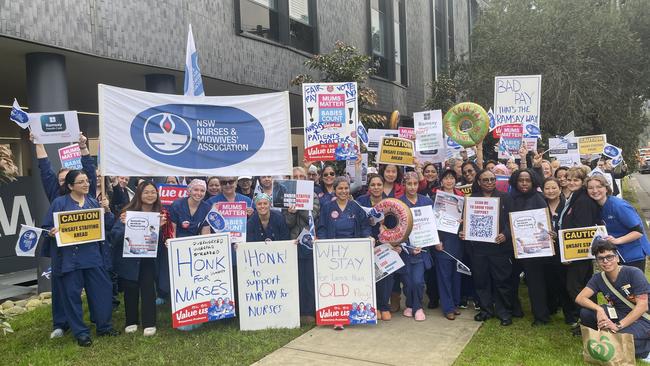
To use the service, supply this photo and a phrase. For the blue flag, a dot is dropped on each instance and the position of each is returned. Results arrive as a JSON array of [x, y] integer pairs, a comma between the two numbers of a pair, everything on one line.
[[193, 83], [19, 116]]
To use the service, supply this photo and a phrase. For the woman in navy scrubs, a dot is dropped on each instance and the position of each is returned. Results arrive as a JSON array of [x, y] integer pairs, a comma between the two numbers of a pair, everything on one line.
[[325, 190], [418, 261], [623, 223], [82, 266], [266, 224]]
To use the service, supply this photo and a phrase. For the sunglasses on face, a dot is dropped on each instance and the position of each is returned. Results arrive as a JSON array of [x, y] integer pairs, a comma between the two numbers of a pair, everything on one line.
[[227, 182], [488, 180], [329, 174]]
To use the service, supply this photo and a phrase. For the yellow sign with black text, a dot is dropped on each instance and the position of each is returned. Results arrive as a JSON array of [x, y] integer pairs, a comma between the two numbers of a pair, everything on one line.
[[593, 144], [79, 227], [396, 150], [575, 244]]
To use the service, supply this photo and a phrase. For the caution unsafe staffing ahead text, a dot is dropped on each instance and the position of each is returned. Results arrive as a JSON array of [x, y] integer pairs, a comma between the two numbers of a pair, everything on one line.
[[79, 227]]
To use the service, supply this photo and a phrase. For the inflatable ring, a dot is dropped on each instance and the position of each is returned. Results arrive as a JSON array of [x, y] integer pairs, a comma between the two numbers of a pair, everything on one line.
[[402, 213], [394, 120], [466, 123]]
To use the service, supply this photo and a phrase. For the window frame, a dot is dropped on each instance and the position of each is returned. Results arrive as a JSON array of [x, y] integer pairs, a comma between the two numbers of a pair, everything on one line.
[[284, 40], [389, 41]]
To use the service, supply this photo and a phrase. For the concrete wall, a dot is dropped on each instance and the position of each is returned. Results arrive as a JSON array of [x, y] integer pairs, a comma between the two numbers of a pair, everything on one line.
[[154, 32]]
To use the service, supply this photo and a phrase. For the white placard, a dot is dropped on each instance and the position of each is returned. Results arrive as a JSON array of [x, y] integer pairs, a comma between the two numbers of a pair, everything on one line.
[[200, 276], [428, 130], [481, 222], [54, 127], [448, 211], [267, 274], [387, 261], [375, 135], [344, 277], [424, 232], [531, 233], [141, 230], [517, 101]]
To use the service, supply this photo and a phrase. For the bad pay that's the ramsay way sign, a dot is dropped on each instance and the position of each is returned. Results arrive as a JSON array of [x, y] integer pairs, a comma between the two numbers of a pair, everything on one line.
[[331, 114], [344, 276], [150, 134], [200, 276]]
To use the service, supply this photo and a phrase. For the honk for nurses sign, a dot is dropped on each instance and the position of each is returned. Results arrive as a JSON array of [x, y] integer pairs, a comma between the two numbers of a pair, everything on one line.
[[79, 227], [396, 150]]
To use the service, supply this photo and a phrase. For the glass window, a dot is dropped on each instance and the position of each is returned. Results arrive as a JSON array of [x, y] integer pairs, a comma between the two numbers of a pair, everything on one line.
[[450, 28], [399, 43], [441, 34], [289, 22], [378, 37]]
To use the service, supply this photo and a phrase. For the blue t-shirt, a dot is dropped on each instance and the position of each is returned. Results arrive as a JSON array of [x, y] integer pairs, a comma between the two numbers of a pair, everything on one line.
[[620, 218], [631, 282]]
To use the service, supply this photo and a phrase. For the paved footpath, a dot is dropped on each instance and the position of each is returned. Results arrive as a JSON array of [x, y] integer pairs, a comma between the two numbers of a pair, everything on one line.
[[400, 341]]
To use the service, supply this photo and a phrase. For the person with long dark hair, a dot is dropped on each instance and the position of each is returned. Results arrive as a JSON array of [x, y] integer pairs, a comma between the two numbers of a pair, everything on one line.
[[82, 266], [325, 191], [138, 275], [492, 262], [392, 175]]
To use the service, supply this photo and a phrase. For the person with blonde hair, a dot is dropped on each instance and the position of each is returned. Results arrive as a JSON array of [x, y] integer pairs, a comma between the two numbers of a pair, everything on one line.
[[624, 226]]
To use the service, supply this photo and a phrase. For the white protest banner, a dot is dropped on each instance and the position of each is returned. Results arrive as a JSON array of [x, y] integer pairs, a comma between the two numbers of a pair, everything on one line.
[[229, 217], [331, 114], [54, 127], [387, 261], [448, 211], [141, 230], [200, 276], [79, 226], [435, 155], [70, 157], [481, 219], [424, 232], [267, 274], [428, 130], [177, 135], [299, 193], [28, 239], [531, 233], [575, 244], [344, 277], [517, 101], [565, 149], [375, 135]]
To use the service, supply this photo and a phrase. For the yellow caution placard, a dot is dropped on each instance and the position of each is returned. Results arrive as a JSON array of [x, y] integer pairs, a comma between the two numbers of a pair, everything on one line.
[[593, 144], [79, 227], [575, 244], [396, 150]]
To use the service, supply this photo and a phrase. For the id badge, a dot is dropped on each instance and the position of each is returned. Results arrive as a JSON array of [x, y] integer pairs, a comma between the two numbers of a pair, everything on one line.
[[611, 312]]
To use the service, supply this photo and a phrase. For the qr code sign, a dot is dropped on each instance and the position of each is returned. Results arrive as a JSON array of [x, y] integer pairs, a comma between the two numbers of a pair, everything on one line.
[[480, 226]]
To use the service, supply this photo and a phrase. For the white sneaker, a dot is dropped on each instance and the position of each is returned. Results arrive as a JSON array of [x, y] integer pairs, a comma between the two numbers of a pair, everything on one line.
[[149, 332], [131, 328], [646, 359], [56, 333]]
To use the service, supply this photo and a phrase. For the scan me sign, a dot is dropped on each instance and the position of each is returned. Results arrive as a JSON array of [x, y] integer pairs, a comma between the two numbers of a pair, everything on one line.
[[149, 134]]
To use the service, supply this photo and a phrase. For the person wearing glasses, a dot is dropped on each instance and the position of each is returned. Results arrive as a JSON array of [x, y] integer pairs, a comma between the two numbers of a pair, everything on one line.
[[326, 185], [624, 226], [245, 186], [82, 266], [228, 194], [469, 169], [617, 316], [579, 211], [526, 196], [492, 262]]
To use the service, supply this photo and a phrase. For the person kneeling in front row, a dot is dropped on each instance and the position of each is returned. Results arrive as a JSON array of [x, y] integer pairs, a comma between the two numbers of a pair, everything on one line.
[[626, 290]]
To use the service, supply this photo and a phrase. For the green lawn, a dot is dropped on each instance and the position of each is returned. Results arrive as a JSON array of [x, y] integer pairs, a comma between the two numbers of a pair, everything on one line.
[[219, 343], [520, 343]]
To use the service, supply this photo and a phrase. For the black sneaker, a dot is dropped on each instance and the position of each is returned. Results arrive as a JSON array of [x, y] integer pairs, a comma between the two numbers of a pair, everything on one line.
[[109, 333], [506, 322], [84, 341], [482, 316]]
